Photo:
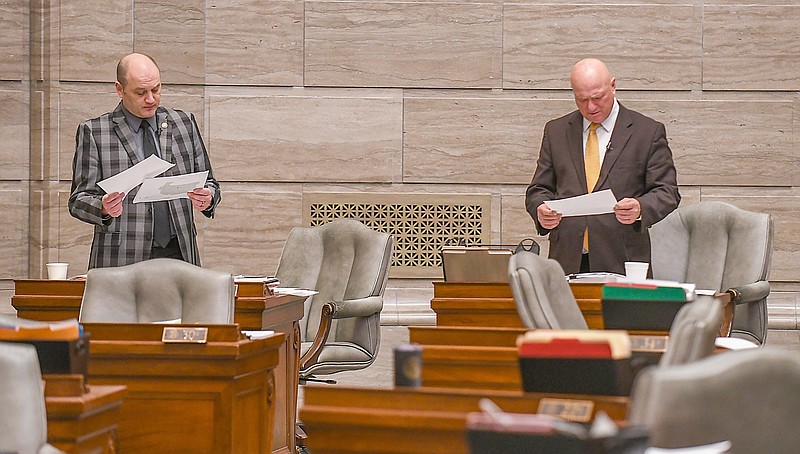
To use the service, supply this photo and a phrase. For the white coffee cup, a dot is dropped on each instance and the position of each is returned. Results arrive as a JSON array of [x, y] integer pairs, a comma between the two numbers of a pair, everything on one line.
[[636, 271], [57, 270]]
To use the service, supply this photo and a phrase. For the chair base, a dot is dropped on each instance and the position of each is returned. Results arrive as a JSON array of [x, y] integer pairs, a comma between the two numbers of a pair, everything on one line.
[[310, 378]]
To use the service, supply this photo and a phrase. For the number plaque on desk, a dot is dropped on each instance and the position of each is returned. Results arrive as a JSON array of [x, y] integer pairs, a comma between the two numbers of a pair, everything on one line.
[[184, 335], [577, 410]]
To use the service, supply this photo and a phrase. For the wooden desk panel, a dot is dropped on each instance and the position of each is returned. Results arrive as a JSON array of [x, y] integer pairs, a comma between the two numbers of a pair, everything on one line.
[[255, 309], [492, 304], [410, 420], [200, 398], [82, 419]]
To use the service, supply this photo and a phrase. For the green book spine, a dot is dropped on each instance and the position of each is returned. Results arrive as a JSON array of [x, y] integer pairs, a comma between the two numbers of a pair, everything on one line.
[[638, 292]]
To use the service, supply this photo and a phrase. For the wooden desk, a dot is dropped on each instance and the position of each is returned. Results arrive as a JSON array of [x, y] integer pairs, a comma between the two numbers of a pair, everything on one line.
[[492, 304], [212, 398], [82, 418], [53, 300], [422, 420]]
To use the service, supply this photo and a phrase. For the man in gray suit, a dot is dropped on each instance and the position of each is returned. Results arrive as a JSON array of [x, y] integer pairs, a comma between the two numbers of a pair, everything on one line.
[[125, 232], [626, 152]]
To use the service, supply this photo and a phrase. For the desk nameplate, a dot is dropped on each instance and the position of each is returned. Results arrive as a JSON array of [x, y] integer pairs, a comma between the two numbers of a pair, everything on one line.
[[578, 410], [184, 335]]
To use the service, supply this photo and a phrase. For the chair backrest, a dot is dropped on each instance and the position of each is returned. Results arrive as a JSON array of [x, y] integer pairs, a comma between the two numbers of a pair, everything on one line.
[[342, 260], [23, 420], [750, 397], [693, 332], [158, 290], [717, 246], [542, 294]]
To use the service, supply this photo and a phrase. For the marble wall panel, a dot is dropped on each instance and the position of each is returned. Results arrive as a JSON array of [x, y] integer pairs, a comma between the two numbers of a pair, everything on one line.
[[785, 210], [93, 35], [736, 143], [646, 46], [254, 42], [73, 236], [250, 227], [308, 136], [173, 33], [751, 47], [14, 132], [403, 44], [76, 107], [475, 140], [517, 224], [14, 234], [14, 30]]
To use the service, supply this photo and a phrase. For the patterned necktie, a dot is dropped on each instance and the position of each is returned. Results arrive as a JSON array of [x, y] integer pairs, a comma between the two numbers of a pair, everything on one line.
[[161, 229], [592, 163]]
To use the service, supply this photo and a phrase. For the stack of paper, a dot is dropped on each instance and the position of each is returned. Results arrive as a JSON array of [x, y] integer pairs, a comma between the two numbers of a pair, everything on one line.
[[16, 329]]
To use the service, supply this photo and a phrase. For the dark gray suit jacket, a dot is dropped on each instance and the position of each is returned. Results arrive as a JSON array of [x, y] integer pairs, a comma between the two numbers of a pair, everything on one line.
[[104, 147], [638, 164]]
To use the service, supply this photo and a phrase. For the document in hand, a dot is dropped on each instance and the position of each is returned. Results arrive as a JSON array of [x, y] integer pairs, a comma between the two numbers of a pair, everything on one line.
[[134, 176], [169, 188], [600, 202]]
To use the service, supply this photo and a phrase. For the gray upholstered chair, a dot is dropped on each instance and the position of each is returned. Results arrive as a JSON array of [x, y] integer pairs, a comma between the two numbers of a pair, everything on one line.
[[719, 247], [158, 290], [749, 397], [542, 294], [693, 332], [23, 420], [348, 264]]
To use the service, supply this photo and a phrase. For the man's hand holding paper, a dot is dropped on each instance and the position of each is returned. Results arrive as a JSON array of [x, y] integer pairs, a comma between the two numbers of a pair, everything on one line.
[[601, 202]]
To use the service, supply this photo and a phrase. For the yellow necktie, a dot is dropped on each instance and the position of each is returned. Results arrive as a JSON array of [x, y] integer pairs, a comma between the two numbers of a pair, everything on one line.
[[592, 163]]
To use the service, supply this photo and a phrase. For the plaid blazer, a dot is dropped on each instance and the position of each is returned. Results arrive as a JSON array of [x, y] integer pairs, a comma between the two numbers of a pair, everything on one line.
[[105, 146]]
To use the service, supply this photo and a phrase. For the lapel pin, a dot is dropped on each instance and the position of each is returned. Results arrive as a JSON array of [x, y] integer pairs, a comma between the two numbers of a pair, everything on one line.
[[164, 125]]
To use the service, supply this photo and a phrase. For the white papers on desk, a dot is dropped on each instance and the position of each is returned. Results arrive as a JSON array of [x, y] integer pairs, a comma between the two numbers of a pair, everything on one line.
[[134, 176], [596, 277], [293, 291], [169, 188], [714, 448], [734, 343], [261, 334], [601, 202]]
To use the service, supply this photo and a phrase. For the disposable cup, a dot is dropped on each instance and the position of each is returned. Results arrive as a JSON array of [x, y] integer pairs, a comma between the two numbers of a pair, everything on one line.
[[636, 271], [57, 270]]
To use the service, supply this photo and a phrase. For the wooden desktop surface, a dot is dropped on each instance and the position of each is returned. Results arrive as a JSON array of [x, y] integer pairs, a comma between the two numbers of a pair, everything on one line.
[[255, 309], [200, 398], [413, 420], [82, 418]]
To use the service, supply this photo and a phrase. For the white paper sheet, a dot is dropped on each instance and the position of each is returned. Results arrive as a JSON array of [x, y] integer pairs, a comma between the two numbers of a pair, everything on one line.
[[132, 177], [169, 188], [601, 202]]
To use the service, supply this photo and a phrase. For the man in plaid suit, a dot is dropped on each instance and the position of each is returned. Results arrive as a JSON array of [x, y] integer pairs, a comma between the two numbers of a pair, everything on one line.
[[125, 232]]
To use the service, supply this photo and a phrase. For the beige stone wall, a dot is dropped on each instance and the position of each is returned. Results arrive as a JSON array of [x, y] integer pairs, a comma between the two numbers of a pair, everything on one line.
[[387, 97]]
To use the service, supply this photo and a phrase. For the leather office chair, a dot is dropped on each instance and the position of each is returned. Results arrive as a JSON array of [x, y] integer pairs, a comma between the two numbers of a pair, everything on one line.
[[542, 294], [693, 332], [23, 421], [158, 290], [749, 397], [348, 264], [719, 247]]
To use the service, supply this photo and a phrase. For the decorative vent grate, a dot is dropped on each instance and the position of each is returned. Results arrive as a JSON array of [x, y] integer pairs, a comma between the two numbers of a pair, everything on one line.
[[420, 224]]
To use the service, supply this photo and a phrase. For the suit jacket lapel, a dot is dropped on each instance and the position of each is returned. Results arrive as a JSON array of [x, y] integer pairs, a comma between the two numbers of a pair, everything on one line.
[[575, 146], [623, 129], [124, 133], [165, 138]]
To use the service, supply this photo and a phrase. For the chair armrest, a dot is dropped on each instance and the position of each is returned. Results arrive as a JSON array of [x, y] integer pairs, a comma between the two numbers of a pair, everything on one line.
[[749, 293], [312, 354], [362, 307]]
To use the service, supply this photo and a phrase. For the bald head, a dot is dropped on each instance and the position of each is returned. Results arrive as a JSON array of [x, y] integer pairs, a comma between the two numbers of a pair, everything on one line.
[[139, 84], [593, 88], [137, 62]]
